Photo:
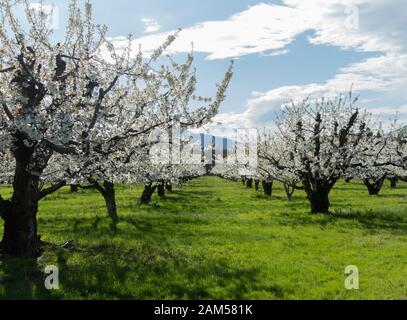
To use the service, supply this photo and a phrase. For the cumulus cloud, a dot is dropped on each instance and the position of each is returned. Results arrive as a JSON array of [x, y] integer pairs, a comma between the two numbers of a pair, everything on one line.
[[260, 28], [385, 74], [377, 26]]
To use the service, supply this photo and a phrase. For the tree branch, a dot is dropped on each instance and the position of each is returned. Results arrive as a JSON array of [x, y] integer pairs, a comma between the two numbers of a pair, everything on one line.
[[8, 112], [46, 192], [60, 149]]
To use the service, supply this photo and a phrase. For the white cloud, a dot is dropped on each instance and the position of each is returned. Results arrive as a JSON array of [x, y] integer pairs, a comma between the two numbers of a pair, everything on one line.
[[385, 74], [268, 29], [260, 28], [150, 25]]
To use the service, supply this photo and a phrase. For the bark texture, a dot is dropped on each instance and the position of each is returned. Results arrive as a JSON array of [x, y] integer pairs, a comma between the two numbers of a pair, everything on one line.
[[109, 195], [374, 186], [147, 193], [268, 188]]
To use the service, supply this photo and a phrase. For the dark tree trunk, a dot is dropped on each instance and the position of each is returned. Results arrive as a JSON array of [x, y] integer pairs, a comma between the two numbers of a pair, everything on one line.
[[348, 180], [74, 188], [318, 195], [147, 193], [20, 215], [319, 202], [249, 183], [268, 188], [168, 186], [161, 189], [244, 182], [393, 183], [375, 187], [109, 194], [110, 200], [256, 184], [289, 191]]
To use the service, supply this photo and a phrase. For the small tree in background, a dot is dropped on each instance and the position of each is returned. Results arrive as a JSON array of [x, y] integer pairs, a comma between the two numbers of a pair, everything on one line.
[[319, 141]]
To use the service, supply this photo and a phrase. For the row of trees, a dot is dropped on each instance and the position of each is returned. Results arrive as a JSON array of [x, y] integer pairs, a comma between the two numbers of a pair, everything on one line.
[[78, 111], [317, 143]]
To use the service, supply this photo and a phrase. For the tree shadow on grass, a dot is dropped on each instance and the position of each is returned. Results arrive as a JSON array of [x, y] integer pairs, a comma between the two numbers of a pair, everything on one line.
[[21, 279], [392, 195], [236, 283], [157, 272], [372, 220]]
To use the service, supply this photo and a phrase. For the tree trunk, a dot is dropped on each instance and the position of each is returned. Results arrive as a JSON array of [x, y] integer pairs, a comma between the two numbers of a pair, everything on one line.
[[20, 217], [289, 191], [244, 182], [268, 188], [249, 183], [74, 188], [318, 194], [109, 194], [168, 186], [256, 184], [110, 199], [375, 187], [319, 202], [147, 193], [393, 183], [161, 189]]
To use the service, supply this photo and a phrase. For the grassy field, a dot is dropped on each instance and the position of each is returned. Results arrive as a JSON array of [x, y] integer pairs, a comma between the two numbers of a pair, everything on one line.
[[215, 239]]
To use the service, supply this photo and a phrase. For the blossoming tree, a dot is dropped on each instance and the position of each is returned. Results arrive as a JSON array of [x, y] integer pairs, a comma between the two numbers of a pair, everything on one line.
[[321, 141], [56, 98]]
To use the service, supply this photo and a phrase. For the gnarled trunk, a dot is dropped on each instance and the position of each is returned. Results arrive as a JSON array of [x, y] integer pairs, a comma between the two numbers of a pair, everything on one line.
[[74, 188], [319, 202], [249, 183], [109, 195], [374, 187], [318, 195], [20, 236], [147, 193], [268, 188]]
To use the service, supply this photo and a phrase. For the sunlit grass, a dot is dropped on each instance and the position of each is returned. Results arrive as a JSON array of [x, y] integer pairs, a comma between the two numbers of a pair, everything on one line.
[[214, 239]]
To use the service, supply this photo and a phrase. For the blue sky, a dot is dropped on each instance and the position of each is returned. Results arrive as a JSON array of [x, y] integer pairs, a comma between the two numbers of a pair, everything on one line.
[[283, 50]]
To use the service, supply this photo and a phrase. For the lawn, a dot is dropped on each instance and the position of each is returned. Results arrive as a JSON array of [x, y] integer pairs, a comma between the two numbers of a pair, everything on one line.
[[215, 239]]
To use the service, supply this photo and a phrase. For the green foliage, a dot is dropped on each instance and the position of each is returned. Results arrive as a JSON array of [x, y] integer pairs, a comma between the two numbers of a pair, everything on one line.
[[215, 239]]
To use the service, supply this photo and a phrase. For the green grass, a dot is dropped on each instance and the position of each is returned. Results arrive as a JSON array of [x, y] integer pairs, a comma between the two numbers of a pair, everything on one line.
[[215, 239]]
